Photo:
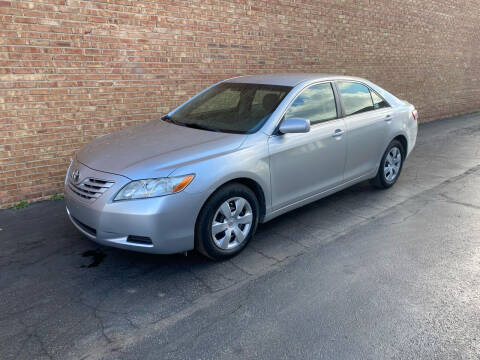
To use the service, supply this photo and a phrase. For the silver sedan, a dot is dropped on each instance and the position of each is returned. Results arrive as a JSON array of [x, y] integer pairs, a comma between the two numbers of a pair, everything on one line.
[[239, 153]]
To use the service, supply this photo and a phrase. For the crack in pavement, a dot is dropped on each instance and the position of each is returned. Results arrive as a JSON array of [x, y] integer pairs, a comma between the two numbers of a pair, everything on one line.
[[453, 201]]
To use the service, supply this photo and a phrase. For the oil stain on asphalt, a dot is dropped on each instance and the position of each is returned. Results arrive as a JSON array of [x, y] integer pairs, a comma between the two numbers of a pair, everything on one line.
[[97, 257]]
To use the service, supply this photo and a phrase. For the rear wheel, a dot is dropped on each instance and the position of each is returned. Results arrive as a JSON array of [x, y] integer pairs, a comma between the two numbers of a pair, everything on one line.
[[390, 166], [227, 222]]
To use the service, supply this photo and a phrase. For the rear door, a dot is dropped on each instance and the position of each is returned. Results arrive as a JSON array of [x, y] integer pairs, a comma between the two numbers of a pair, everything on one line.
[[367, 117]]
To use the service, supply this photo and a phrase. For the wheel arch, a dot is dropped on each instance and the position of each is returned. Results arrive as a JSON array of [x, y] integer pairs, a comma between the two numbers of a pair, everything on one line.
[[252, 185], [246, 181], [403, 140]]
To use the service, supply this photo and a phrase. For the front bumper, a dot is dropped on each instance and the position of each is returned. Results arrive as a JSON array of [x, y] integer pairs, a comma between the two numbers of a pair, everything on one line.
[[162, 225]]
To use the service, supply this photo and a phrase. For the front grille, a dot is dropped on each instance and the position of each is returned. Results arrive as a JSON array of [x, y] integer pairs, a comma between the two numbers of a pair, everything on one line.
[[90, 188]]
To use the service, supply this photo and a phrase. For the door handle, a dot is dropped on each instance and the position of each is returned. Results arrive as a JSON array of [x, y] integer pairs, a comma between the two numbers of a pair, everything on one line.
[[388, 118], [338, 133]]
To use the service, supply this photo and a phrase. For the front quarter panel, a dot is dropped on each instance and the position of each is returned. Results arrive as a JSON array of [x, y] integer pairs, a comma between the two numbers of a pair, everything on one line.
[[249, 161]]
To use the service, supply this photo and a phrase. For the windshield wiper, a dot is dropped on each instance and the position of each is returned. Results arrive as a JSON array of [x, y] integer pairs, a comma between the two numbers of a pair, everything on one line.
[[169, 119], [199, 126]]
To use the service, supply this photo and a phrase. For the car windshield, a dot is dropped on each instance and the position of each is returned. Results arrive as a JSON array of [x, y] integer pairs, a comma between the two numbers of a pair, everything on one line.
[[231, 107]]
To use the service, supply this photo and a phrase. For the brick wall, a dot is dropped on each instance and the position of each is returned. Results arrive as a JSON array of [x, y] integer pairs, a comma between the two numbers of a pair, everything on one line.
[[72, 70]]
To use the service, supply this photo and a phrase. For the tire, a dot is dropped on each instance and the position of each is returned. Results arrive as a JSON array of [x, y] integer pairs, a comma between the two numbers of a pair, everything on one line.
[[389, 165], [220, 237]]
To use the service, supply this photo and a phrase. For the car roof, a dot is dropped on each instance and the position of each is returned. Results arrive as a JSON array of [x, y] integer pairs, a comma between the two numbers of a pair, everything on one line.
[[288, 79]]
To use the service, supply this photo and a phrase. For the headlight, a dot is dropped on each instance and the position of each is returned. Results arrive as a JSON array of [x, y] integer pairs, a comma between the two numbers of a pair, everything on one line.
[[142, 189]]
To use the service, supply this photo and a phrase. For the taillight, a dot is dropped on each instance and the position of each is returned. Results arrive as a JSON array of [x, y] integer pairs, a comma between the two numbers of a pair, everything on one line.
[[415, 115]]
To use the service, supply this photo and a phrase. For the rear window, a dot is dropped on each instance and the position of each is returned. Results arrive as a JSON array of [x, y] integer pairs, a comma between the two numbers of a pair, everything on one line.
[[378, 101], [355, 97]]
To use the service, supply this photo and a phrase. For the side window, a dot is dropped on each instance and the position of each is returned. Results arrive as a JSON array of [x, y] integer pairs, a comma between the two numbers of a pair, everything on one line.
[[378, 102], [316, 103], [355, 97], [225, 100]]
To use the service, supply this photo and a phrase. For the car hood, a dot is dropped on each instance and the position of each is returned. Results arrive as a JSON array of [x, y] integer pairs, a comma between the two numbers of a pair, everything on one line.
[[155, 149]]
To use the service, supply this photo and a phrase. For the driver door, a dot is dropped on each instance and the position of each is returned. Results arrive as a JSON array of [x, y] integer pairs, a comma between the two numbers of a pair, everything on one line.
[[306, 164]]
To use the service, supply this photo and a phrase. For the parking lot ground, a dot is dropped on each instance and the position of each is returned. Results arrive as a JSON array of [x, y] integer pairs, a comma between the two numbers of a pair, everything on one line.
[[361, 274]]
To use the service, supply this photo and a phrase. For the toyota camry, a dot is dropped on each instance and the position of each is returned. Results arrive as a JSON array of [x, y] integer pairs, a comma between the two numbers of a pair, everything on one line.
[[240, 153]]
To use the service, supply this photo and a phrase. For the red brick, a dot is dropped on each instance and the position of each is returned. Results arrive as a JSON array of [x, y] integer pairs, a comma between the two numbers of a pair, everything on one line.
[[71, 71]]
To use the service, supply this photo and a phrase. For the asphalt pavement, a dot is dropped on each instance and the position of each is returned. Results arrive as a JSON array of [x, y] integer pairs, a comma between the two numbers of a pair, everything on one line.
[[362, 274]]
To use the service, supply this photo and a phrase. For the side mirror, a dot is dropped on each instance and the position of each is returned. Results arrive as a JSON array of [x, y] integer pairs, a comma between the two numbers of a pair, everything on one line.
[[294, 125]]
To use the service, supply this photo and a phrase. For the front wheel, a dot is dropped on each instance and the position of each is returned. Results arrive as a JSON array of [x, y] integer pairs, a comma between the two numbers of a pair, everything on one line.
[[227, 222], [390, 166]]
